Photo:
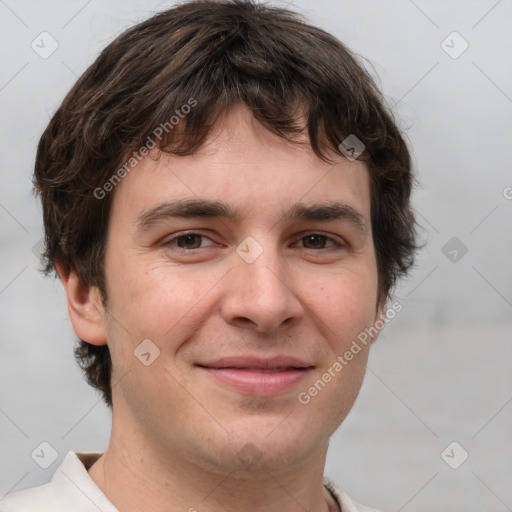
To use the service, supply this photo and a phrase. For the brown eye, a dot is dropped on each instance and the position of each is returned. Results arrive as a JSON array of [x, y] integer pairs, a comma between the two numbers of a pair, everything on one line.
[[189, 241], [314, 241]]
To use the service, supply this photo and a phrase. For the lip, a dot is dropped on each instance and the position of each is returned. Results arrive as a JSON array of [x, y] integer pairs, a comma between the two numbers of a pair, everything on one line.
[[256, 375]]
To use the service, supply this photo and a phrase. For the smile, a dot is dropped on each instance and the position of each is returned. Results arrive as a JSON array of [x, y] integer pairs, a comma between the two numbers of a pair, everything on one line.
[[257, 377]]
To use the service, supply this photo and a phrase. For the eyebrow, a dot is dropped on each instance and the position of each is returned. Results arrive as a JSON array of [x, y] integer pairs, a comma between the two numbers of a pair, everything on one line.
[[329, 211], [196, 208]]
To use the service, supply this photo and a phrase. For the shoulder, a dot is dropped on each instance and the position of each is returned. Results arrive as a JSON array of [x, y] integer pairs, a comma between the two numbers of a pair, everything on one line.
[[346, 503], [71, 488], [36, 499]]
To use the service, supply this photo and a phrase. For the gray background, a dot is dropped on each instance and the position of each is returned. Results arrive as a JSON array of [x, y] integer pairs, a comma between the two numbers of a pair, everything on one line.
[[441, 369]]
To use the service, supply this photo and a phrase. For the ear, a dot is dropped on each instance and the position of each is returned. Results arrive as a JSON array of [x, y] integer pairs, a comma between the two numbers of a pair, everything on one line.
[[379, 320], [85, 309]]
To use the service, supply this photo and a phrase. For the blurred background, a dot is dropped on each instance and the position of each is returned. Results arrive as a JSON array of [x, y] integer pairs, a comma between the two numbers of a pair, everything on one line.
[[432, 426]]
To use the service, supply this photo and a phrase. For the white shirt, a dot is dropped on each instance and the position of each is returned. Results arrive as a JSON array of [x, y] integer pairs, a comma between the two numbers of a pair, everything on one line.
[[73, 490]]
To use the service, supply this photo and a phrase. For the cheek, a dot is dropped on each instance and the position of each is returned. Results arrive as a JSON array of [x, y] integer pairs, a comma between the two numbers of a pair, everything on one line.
[[158, 300], [346, 306], [155, 302]]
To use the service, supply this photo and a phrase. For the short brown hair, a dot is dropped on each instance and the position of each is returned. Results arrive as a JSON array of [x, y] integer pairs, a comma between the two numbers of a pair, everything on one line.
[[219, 53]]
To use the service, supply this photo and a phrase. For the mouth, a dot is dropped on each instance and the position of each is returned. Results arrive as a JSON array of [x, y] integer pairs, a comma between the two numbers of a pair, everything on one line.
[[256, 370], [256, 376]]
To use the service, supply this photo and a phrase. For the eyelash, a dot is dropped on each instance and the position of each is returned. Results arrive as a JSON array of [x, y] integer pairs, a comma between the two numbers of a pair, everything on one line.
[[336, 244]]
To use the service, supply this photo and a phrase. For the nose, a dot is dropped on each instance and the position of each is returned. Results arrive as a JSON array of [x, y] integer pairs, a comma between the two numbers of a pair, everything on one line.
[[261, 295]]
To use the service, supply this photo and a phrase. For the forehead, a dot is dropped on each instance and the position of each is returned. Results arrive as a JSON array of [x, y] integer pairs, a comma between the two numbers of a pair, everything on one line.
[[256, 172]]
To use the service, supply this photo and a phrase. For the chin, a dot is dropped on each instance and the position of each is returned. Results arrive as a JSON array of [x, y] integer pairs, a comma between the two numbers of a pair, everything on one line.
[[269, 444]]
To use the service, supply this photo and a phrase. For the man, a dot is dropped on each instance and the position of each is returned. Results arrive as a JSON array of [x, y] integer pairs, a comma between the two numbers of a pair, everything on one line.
[[226, 201]]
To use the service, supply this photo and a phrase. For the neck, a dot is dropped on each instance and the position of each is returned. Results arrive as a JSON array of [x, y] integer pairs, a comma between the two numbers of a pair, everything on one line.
[[135, 476]]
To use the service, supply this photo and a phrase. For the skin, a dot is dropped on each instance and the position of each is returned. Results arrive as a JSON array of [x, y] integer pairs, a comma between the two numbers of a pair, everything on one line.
[[177, 433]]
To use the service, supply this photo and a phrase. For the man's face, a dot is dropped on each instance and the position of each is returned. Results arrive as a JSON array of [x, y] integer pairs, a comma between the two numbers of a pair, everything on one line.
[[247, 312]]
